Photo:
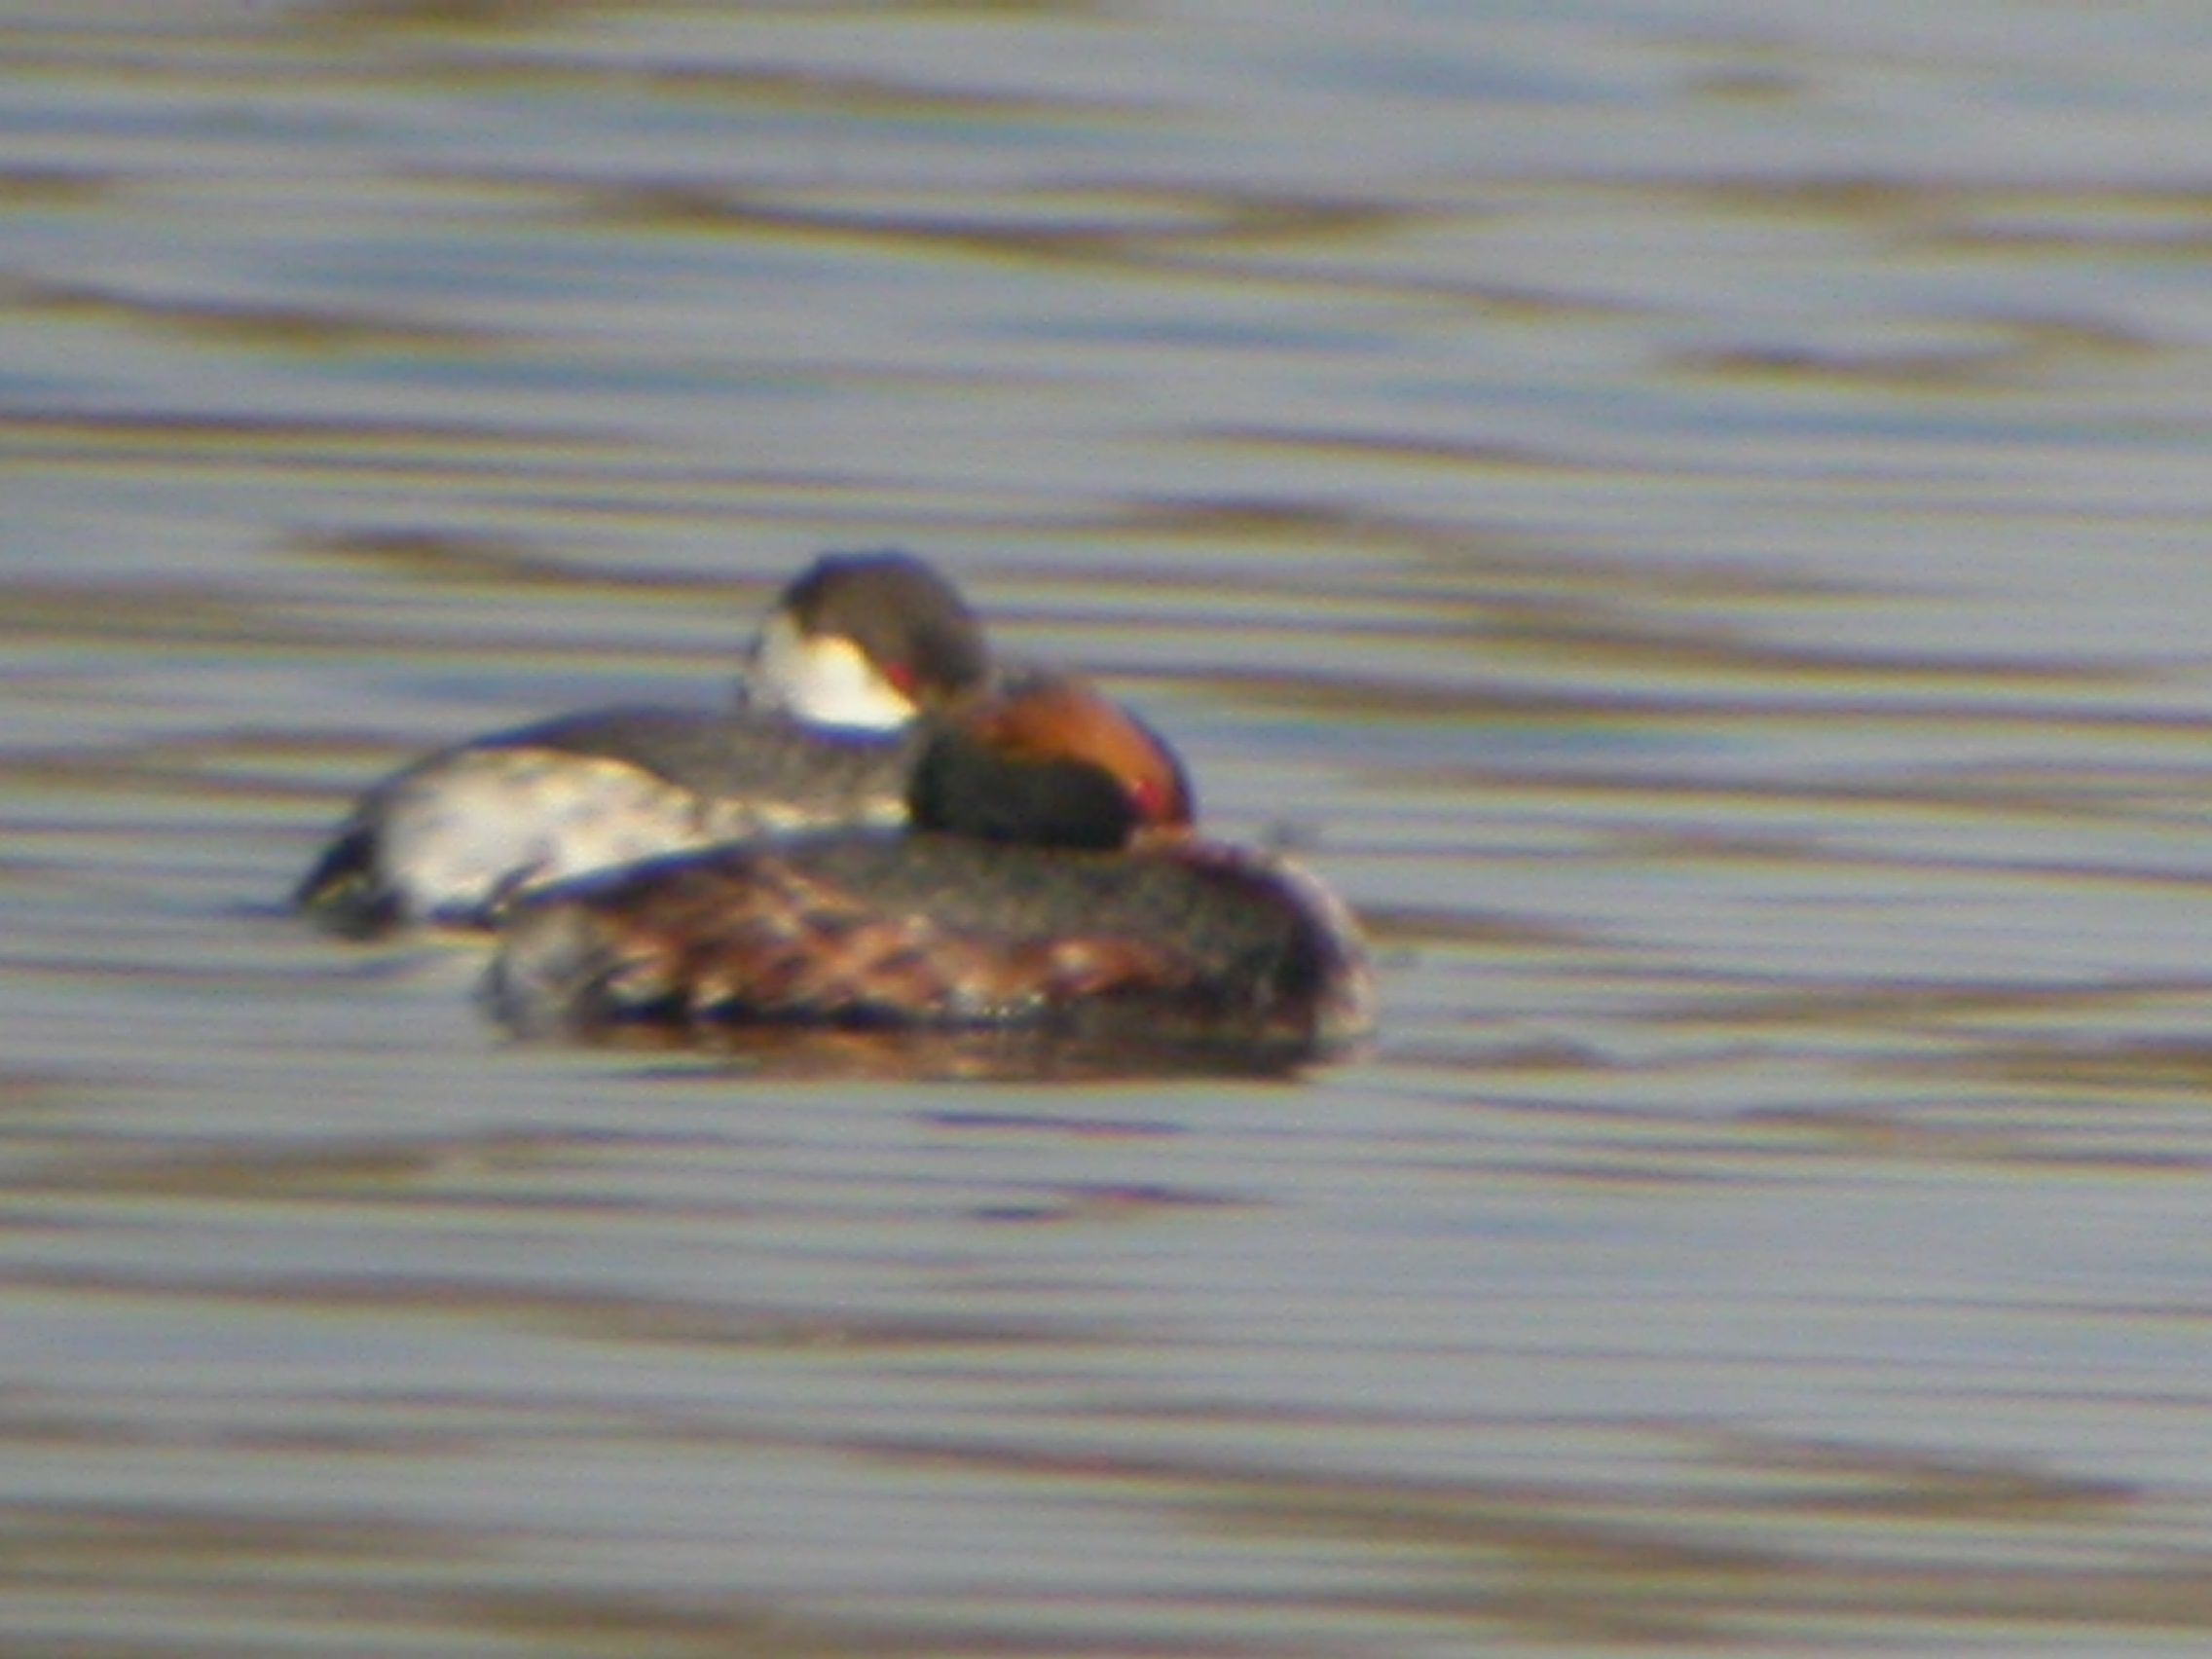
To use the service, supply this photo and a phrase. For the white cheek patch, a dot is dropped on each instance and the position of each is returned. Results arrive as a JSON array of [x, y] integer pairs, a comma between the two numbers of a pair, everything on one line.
[[823, 678]]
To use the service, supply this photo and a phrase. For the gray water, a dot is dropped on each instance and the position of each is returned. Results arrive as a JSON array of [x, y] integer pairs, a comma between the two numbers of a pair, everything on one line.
[[1693, 517]]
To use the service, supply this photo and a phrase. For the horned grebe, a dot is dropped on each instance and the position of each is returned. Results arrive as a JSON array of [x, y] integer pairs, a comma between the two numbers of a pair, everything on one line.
[[854, 648], [1049, 881]]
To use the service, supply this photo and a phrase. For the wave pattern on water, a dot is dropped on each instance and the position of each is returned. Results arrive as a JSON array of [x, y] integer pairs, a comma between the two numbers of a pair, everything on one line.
[[1695, 530]]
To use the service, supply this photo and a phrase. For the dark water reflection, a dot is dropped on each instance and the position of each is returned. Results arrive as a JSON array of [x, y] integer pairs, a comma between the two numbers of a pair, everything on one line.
[[1694, 527]]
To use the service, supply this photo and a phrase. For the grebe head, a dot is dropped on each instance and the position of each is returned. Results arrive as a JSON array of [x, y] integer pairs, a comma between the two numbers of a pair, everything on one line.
[[1049, 762], [866, 640]]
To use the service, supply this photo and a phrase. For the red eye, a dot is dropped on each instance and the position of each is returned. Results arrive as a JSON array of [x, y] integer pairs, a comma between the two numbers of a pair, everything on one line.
[[902, 677], [1154, 801]]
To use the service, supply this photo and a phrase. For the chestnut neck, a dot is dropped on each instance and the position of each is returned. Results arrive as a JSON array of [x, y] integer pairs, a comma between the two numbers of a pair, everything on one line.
[[963, 786]]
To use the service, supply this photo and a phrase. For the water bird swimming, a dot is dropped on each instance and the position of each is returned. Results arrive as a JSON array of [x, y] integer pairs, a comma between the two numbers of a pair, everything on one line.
[[1050, 880], [854, 650]]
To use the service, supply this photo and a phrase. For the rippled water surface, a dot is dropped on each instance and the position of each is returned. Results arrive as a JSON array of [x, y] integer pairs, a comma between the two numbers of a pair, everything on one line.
[[1694, 517]]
